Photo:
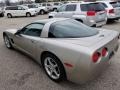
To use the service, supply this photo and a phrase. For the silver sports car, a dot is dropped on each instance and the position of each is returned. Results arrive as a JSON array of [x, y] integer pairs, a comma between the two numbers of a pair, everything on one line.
[[66, 48]]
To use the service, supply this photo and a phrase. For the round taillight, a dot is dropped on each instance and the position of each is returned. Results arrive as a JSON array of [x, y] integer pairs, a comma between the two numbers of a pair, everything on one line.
[[96, 57], [104, 52]]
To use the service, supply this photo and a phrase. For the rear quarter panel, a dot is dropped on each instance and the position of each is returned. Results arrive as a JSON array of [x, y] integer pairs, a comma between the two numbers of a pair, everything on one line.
[[69, 53]]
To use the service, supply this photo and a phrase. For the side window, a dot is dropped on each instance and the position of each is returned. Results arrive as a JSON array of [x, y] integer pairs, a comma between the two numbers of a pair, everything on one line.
[[32, 30], [62, 8], [70, 7], [20, 8], [48, 5], [14, 8], [104, 5], [30, 6], [43, 4], [7, 8]]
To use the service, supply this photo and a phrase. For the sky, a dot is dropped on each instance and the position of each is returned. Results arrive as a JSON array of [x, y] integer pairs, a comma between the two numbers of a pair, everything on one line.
[[14, 0]]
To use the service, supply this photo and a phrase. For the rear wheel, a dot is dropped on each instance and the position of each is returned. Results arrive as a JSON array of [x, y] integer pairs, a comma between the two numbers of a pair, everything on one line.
[[2, 15], [9, 15], [42, 12], [53, 67], [7, 42], [28, 15], [50, 16]]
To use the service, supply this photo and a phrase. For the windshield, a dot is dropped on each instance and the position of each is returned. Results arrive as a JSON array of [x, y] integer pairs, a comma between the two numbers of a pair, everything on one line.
[[70, 29]]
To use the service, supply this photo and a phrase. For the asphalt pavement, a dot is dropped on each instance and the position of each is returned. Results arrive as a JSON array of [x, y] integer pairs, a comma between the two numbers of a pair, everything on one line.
[[20, 72]]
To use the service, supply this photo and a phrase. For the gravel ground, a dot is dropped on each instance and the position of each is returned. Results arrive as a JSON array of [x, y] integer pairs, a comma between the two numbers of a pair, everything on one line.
[[20, 72]]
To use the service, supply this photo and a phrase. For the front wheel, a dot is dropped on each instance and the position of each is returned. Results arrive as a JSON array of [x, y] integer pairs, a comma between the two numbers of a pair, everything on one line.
[[55, 9], [7, 42], [53, 67]]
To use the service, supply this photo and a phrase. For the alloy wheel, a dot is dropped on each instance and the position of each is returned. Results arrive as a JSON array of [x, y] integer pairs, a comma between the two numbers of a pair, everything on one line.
[[51, 68]]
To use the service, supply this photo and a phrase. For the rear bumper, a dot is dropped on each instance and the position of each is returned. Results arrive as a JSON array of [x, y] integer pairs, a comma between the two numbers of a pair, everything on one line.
[[82, 76], [113, 17], [84, 72], [101, 23], [98, 24]]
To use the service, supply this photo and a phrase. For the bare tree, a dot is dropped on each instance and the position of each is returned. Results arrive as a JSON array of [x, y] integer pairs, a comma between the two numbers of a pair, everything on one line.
[[7, 2]]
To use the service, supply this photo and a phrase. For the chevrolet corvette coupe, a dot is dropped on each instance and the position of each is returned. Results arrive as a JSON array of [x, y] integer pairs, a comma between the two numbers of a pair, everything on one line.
[[66, 48]]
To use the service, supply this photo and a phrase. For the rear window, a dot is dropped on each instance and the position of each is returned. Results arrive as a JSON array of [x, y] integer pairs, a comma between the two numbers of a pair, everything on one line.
[[119, 3], [70, 29], [114, 4], [92, 7]]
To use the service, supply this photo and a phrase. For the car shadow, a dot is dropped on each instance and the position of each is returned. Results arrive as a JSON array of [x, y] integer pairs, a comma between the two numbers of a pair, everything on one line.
[[109, 22]]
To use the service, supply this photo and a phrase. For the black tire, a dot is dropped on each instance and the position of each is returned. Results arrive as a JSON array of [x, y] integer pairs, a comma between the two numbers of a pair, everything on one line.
[[54, 9], [9, 15], [7, 43], [1, 15], [59, 68], [28, 14], [50, 17], [42, 12]]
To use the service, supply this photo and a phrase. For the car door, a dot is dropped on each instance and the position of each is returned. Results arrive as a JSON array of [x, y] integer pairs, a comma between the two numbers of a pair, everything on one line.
[[70, 10], [21, 11], [28, 39], [61, 11], [14, 11]]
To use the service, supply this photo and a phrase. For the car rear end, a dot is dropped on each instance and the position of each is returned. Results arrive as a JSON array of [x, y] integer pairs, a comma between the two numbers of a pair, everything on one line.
[[114, 13], [100, 54], [95, 13], [112, 8]]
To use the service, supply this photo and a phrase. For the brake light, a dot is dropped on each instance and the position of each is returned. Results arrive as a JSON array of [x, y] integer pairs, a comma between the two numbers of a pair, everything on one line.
[[111, 11], [96, 56], [91, 13], [104, 52]]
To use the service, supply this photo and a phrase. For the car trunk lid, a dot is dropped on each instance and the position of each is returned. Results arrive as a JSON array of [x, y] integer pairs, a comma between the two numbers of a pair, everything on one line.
[[89, 41]]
